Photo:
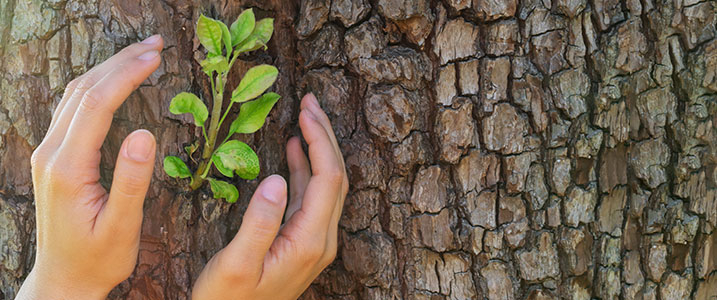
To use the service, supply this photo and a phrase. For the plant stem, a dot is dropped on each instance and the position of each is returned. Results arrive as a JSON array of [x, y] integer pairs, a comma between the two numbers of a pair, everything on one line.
[[218, 95], [231, 63], [221, 121], [235, 55], [218, 91]]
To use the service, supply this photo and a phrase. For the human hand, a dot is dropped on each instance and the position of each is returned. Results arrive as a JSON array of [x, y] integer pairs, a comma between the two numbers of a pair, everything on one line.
[[87, 239], [266, 260]]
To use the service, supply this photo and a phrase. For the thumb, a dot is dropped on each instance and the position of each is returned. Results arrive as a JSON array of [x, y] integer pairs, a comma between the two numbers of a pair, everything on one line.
[[133, 171], [259, 227]]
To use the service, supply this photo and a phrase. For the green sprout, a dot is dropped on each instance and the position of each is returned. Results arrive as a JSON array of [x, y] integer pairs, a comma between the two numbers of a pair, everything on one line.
[[224, 45]]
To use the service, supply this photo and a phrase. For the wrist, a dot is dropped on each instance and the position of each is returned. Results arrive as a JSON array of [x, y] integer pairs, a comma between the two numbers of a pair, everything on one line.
[[54, 287]]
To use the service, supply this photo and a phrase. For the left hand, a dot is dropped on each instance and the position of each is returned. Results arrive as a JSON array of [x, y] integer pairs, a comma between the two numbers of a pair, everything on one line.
[[88, 239]]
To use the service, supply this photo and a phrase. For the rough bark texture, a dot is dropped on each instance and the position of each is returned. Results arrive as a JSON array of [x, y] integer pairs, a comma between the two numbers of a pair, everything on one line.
[[497, 149]]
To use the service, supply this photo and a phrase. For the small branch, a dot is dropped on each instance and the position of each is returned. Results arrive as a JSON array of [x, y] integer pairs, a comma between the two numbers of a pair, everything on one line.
[[235, 55], [218, 95], [231, 103], [221, 121]]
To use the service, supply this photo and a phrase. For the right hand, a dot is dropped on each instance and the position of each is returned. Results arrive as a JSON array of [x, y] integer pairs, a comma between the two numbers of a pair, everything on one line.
[[266, 260]]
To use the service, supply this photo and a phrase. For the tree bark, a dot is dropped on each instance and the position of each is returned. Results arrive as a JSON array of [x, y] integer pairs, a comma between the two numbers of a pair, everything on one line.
[[517, 149]]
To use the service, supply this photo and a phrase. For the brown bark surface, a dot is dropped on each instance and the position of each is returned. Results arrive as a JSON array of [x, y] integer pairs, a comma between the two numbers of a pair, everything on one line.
[[496, 149]]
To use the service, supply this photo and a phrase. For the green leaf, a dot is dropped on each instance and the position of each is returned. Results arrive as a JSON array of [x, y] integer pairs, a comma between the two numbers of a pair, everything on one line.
[[264, 29], [175, 167], [217, 64], [250, 44], [259, 36], [224, 190], [242, 27], [227, 39], [255, 82], [184, 103], [238, 157], [210, 34], [253, 114], [222, 169]]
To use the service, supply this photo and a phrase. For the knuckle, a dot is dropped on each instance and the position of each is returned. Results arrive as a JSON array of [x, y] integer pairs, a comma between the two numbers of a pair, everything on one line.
[[71, 87], [130, 184], [329, 257], [314, 253], [336, 176], [38, 158], [78, 81], [262, 227], [263, 224], [73, 83], [345, 187], [91, 101], [82, 83]]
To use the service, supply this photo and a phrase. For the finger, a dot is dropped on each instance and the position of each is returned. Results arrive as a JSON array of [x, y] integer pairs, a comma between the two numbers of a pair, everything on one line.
[[66, 95], [300, 173], [310, 102], [321, 193], [72, 98], [259, 227], [53, 140], [132, 175], [58, 126], [93, 116], [81, 84]]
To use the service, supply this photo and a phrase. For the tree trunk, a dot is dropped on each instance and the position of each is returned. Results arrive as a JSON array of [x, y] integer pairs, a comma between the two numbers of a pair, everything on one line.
[[499, 149]]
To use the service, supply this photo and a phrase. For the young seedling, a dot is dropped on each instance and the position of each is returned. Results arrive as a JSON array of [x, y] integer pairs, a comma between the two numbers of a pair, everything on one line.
[[224, 44]]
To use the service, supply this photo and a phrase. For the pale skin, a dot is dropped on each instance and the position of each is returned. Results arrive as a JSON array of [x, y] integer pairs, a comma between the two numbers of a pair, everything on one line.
[[88, 238]]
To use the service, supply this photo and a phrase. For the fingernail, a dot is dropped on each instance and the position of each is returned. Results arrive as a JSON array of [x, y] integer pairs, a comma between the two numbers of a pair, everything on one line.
[[139, 146], [149, 55], [273, 188], [151, 40]]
